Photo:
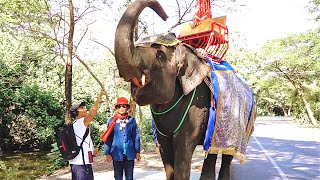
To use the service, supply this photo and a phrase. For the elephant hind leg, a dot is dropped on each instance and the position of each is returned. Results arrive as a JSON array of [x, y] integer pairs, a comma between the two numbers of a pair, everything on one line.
[[225, 173], [209, 168]]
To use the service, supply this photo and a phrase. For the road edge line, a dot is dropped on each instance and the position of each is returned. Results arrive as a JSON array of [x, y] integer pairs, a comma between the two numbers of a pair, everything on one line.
[[284, 177]]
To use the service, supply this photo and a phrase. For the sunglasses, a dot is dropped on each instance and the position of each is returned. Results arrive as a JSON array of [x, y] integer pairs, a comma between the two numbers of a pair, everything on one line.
[[121, 106]]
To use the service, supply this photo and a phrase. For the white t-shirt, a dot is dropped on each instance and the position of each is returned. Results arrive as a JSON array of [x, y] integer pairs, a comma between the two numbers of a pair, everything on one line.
[[79, 130]]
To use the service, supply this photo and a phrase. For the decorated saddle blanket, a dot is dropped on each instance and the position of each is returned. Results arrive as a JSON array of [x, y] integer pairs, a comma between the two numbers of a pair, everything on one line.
[[231, 119]]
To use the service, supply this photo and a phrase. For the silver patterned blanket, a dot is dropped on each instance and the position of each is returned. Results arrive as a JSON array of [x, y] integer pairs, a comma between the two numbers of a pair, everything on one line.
[[234, 114]]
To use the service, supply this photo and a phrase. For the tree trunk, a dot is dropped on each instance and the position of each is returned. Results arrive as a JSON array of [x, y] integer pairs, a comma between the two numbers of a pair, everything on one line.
[[270, 111], [307, 106], [68, 81], [140, 118], [284, 111], [289, 111], [295, 82], [133, 105]]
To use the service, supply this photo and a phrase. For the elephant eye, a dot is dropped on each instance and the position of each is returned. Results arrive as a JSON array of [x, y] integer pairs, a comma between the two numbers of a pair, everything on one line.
[[161, 56]]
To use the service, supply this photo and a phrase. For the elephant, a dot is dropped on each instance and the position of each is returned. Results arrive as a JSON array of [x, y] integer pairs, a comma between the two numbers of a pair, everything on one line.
[[170, 78]]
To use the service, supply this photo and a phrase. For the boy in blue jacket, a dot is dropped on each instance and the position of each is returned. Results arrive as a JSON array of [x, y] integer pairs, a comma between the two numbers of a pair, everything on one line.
[[123, 144]]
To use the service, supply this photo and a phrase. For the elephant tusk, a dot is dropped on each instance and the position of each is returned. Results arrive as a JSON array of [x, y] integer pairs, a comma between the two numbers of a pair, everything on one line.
[[143, 80], [140, 82]]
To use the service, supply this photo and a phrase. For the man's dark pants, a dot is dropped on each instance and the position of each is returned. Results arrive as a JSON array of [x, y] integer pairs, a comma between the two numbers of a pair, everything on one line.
[[82, 172], [126, 166]]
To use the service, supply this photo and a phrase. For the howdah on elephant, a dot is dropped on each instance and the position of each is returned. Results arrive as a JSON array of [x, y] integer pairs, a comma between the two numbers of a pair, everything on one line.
[[190, 103]]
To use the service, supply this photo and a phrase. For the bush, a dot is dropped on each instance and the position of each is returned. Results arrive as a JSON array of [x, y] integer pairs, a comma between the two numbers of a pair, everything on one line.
[[2, 166], [56, 159], [37, 110], [95, 136], [45, 108], [10, 172], [23, 132], [146, 135]]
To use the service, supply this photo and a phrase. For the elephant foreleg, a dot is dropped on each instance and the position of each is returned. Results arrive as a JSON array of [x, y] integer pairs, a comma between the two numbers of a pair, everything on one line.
[[224, 173], [208, 171], [167, 157], [182, 162]]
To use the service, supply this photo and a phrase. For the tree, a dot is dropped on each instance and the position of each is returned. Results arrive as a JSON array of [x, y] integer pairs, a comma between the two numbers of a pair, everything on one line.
[[294, 60], [314, 8], [72, 44], [68, 75]]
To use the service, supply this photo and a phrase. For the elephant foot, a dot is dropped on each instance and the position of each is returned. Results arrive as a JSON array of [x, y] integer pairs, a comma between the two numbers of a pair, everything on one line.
[[225, 170], [209, 168], [224, 175]]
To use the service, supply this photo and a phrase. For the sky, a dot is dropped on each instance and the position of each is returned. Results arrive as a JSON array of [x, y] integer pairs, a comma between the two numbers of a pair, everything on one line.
[[270, 19], [258, 21], [263, 20]]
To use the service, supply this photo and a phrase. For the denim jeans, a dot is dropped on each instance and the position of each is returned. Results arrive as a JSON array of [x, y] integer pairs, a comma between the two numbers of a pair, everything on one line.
[[81, 172], [126, 166]]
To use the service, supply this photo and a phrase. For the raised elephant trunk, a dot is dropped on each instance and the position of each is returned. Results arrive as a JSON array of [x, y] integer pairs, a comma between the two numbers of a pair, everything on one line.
[[124, 45]]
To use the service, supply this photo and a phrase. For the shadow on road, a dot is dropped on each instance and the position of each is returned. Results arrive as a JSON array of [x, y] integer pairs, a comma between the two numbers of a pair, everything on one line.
[[294, 159]]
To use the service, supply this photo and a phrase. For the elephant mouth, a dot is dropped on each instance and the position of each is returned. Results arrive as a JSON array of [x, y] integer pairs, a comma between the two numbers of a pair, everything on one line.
[[142, 81]]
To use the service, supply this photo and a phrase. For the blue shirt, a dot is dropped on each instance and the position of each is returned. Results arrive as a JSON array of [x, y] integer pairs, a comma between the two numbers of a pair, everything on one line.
[[123, 141]]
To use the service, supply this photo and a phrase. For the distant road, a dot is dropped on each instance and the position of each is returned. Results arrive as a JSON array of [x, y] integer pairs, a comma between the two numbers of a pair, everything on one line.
[[280, 150]]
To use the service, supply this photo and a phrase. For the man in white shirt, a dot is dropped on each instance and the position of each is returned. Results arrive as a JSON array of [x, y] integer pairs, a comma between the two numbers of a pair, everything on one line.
[[81, 165]]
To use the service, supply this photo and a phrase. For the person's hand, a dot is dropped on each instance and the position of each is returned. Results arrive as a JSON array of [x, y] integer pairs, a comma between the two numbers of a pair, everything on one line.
[[95, 151], [138, 157], [108, 158]]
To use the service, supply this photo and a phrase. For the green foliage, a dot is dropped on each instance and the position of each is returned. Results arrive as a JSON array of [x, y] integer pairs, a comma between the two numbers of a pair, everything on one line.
[[23, 132], [2, 166], [95, 135], [276, 70], [289, 72], [31, 100], [26, 57], [9, 172], [32, 79], [26, 46], [34, 117], [315, 9], [146, 132], [30, 18], [56, 159], [13, 69], [21, 63]]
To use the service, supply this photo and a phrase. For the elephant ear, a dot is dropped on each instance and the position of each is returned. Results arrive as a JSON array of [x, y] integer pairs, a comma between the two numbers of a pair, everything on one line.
[[193, 70]]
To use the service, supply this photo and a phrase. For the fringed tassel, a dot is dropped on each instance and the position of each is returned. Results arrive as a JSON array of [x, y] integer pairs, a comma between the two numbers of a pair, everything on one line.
[[228, 151]]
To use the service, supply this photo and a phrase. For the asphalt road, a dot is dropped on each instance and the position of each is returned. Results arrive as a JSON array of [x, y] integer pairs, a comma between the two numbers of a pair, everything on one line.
[[281, 150], [278, 150]]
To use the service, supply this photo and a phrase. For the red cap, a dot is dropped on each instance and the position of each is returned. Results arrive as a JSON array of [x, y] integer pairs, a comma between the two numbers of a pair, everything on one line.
[[122, 101]]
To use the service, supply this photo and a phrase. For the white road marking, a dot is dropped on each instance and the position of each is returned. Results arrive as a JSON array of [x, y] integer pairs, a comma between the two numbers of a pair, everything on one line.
[[284, 177]]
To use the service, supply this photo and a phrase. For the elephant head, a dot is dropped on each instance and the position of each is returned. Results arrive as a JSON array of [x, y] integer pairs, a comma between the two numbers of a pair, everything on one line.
[[154, 68]]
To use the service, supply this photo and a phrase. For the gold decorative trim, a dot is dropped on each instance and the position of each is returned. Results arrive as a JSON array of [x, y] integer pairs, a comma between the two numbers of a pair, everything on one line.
[[228, 151]]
